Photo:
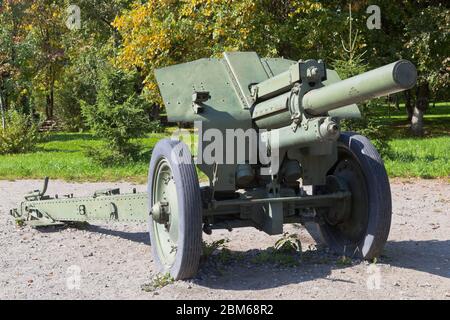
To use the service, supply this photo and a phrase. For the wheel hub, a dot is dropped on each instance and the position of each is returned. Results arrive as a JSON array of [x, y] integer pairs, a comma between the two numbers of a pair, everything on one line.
[[355, 222], [341, 212], [161, 212], [164, 212]]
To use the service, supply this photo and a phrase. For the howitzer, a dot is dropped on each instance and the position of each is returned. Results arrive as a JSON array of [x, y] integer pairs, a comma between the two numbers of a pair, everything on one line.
[[267, 128]]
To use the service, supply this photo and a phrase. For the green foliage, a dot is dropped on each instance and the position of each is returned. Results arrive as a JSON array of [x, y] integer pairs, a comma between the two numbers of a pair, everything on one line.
[[108, 155], [273, 256], [287, 252], [43, 63], [16, 49], [159, 281], [344, 261], [210, 248], [350, 60], [370, 127], [79, 82], [159, 33], [118, 116], [347, 68], [428, 43], [289, 243], [20, 134], [63, 156], [20, 223], [219, 252], [349, 64]]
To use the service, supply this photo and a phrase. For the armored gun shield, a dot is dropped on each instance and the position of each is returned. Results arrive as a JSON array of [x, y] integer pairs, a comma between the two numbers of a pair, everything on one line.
[[220, 94]]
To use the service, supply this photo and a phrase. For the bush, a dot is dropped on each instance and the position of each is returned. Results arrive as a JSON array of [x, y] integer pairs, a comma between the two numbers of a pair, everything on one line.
[[78, 82], [369, 127], [118, 116], [20, 133]]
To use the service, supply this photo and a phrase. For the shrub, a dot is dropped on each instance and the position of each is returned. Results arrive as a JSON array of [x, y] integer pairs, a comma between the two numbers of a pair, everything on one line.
[[368, 126], [78, 82], [20, 133], [118, 116]]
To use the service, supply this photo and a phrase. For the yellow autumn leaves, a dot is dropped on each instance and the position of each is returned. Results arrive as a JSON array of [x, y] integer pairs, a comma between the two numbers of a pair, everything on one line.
[[165, 32], [160, 33]]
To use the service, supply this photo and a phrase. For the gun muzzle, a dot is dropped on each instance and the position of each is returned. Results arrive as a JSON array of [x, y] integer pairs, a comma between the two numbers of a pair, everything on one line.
[[389, 79]]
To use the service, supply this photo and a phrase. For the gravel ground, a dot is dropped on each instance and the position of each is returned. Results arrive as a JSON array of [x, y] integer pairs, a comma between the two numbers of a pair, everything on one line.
[[113, 261]]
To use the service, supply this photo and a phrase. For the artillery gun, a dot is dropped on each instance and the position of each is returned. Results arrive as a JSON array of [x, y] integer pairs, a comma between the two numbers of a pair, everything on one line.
[[291, 111]]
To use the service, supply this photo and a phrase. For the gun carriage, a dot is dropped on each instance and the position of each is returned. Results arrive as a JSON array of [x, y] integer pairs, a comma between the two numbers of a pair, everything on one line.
[[291, 109]]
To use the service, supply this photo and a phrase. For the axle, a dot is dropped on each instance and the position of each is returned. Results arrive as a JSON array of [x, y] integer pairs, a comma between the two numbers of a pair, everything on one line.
[[110, 205]]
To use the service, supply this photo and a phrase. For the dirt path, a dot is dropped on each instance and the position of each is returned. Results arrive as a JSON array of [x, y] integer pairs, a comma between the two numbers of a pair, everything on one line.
[[114, 260]]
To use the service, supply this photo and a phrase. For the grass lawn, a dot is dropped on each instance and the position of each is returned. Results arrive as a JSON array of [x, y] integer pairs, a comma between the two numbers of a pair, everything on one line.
[[427, 157], [61, 155], [424, 158]]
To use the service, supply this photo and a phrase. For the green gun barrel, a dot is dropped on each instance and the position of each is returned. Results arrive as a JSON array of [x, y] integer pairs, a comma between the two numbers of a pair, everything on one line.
[[389, 79]]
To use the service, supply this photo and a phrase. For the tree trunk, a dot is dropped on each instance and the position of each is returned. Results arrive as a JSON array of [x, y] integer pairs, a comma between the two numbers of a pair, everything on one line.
[[47, 107], [154, 113], [397, 102], [2, 110], [52, 100], [421, 105], [408, 104], [50, 103], [417, 122]]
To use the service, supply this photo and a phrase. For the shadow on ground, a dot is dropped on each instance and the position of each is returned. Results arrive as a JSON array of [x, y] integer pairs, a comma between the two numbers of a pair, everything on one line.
[[139, 237], [71, 137], [241, 272], [431, 256]]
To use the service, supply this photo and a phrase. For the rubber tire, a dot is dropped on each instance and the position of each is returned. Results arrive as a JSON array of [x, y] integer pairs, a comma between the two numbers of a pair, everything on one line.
[[380, 203], [189, 246]]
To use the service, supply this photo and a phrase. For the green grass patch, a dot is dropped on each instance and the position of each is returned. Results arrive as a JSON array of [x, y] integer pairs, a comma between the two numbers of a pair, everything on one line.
[[62, 155], [436, 120], [159, 281], [424, 158]]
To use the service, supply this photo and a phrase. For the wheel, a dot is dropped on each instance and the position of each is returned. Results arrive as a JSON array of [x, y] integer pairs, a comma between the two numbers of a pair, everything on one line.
[[175, 223], [365, 229]]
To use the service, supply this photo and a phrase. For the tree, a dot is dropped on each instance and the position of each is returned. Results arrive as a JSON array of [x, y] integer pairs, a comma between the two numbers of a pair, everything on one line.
[[160, 33], [20, 134], [418, 31], [118, 116], [97, 18], [15, 49], [349, 63], [45, 24], [87, 51], [428, 44]]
